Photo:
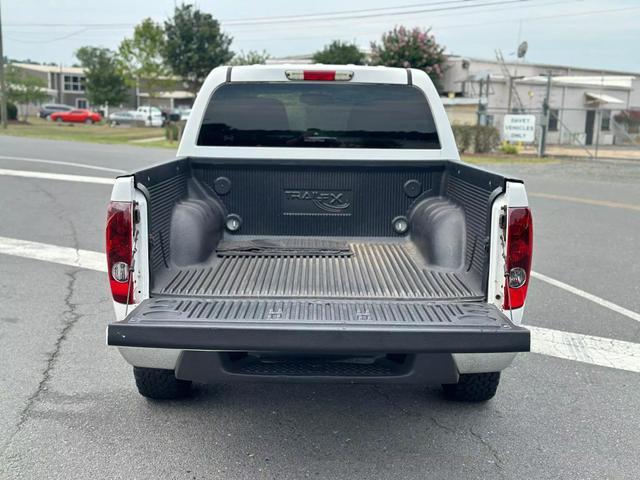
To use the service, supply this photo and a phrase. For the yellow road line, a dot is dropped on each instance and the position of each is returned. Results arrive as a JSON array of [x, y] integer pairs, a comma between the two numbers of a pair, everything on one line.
[[588, 201]]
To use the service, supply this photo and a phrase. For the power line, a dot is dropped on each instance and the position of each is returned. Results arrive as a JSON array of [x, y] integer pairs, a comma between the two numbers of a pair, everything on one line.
[[63, 37], [413, 16], [486, 10], [328, 16], [342, 12], [475, 24]]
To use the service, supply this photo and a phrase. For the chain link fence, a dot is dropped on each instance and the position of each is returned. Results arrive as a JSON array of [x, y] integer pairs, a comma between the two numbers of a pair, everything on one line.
[[590, 131]]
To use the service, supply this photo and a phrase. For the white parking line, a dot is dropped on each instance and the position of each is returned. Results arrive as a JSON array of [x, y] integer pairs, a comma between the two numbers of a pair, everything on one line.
[[555, 343], [53, 253], [581, 293], [56, 176], [604, 352], [60, 162]]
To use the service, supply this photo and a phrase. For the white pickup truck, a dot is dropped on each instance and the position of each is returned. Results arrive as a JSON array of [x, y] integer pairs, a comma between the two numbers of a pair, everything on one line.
[[151, 116], [318, 225]]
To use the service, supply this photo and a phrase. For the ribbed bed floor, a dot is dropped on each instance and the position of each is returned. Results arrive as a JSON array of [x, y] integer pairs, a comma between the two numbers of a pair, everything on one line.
[[375, 270]]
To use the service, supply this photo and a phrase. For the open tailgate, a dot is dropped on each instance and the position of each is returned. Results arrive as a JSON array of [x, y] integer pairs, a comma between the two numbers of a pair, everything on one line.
[[336, 326]]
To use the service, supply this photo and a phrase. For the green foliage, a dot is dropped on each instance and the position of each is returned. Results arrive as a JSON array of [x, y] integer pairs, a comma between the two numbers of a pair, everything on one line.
[[464, 137], [339, 53], [416, 48], [141, 58], [487, 138], [509, 148], [252, 57], [194, 45], [479, 138], [23, 88], [104, 83], [12, 111]]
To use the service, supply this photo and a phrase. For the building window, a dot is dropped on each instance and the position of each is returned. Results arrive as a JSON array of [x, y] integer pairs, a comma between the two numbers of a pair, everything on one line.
[[81, 103], [553, 119], [73, 83], [605, 122]]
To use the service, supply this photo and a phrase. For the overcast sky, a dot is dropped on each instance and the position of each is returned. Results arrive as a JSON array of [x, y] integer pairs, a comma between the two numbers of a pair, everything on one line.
[[558, 32]]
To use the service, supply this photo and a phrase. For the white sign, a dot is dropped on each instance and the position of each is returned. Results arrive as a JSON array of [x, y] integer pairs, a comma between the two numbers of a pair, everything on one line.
[[519, 128]]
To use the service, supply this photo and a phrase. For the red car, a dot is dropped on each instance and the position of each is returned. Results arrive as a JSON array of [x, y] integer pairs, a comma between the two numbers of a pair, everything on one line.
[[76, 116]]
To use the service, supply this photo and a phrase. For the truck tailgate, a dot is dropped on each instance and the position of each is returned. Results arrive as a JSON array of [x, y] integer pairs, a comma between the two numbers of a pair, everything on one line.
[[316, 325]]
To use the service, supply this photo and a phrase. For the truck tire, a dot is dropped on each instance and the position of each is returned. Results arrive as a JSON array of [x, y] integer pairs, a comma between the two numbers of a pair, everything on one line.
[[473, 387], [160, 384]]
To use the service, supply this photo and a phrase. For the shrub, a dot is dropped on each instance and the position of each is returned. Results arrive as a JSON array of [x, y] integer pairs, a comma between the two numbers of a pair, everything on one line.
[[509, 148], [173, 130], [12, 111], [464, 137], [479, 138], [486, 139]]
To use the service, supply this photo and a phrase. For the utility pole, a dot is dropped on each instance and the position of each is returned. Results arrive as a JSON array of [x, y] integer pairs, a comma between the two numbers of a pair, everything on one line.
[[3, 84], [545, 119], [480, 109]]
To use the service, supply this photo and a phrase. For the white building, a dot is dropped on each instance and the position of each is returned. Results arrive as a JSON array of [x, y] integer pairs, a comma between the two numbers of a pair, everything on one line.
[[583, 102]]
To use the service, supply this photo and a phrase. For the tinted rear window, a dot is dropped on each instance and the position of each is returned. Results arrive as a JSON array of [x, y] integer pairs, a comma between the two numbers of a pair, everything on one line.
[[318, 115]]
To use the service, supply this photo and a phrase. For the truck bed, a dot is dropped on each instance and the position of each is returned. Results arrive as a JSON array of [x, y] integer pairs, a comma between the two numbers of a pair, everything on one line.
[[372, 268], [314, 251]]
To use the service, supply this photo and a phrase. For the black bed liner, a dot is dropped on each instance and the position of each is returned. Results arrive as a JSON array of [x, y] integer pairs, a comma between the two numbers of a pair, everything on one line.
[[298, 325], [375, 270]]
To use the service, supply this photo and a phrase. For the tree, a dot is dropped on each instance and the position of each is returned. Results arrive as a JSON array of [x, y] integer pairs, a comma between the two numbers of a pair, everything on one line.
[[340, 53], [141, 59], [252, 57], [24, 89], [195, 45], [416, 48], [104, 83]]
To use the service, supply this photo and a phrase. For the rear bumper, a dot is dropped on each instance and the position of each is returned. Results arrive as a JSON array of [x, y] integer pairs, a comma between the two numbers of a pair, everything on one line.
[[220, 367], [311, 326]]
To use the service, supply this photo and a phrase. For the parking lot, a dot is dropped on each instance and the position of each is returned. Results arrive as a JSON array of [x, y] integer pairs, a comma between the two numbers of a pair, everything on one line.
[[69, 407]]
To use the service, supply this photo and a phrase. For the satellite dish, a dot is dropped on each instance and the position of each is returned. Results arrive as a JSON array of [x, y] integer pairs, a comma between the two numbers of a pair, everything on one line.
[[522, 49]]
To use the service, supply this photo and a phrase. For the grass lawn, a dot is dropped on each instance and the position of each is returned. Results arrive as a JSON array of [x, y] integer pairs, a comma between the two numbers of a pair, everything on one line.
[[39, 128]]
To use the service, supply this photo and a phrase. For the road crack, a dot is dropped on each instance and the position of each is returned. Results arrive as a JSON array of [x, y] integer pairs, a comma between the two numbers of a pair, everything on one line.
[[497, 461], [70, 317]]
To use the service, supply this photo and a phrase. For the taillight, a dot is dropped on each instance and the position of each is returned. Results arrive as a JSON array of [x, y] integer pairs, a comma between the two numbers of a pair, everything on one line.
[[319, 75], [119, 250], [518, 258]]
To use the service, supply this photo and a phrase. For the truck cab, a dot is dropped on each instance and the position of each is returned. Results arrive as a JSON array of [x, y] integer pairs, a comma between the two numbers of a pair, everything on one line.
[[318, 226]]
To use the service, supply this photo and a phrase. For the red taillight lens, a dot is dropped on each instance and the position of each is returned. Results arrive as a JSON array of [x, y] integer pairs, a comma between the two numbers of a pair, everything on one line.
[[319, 75], [518, 261], [119, 250]]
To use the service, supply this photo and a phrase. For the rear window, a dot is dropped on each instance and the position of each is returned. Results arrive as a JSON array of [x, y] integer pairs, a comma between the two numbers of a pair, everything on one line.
[[318, 115]]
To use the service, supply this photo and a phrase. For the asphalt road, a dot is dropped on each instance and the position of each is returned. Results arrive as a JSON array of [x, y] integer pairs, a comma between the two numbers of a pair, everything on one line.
[[69, 408]]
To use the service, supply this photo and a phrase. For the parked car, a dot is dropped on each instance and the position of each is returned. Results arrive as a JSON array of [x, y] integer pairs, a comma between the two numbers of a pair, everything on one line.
[[318, 226], [152, 116], [49, 108], [76, 116], [123, 118]]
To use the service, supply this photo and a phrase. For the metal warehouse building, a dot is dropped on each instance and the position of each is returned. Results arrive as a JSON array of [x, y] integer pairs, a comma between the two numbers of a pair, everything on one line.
[[583, 103]]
